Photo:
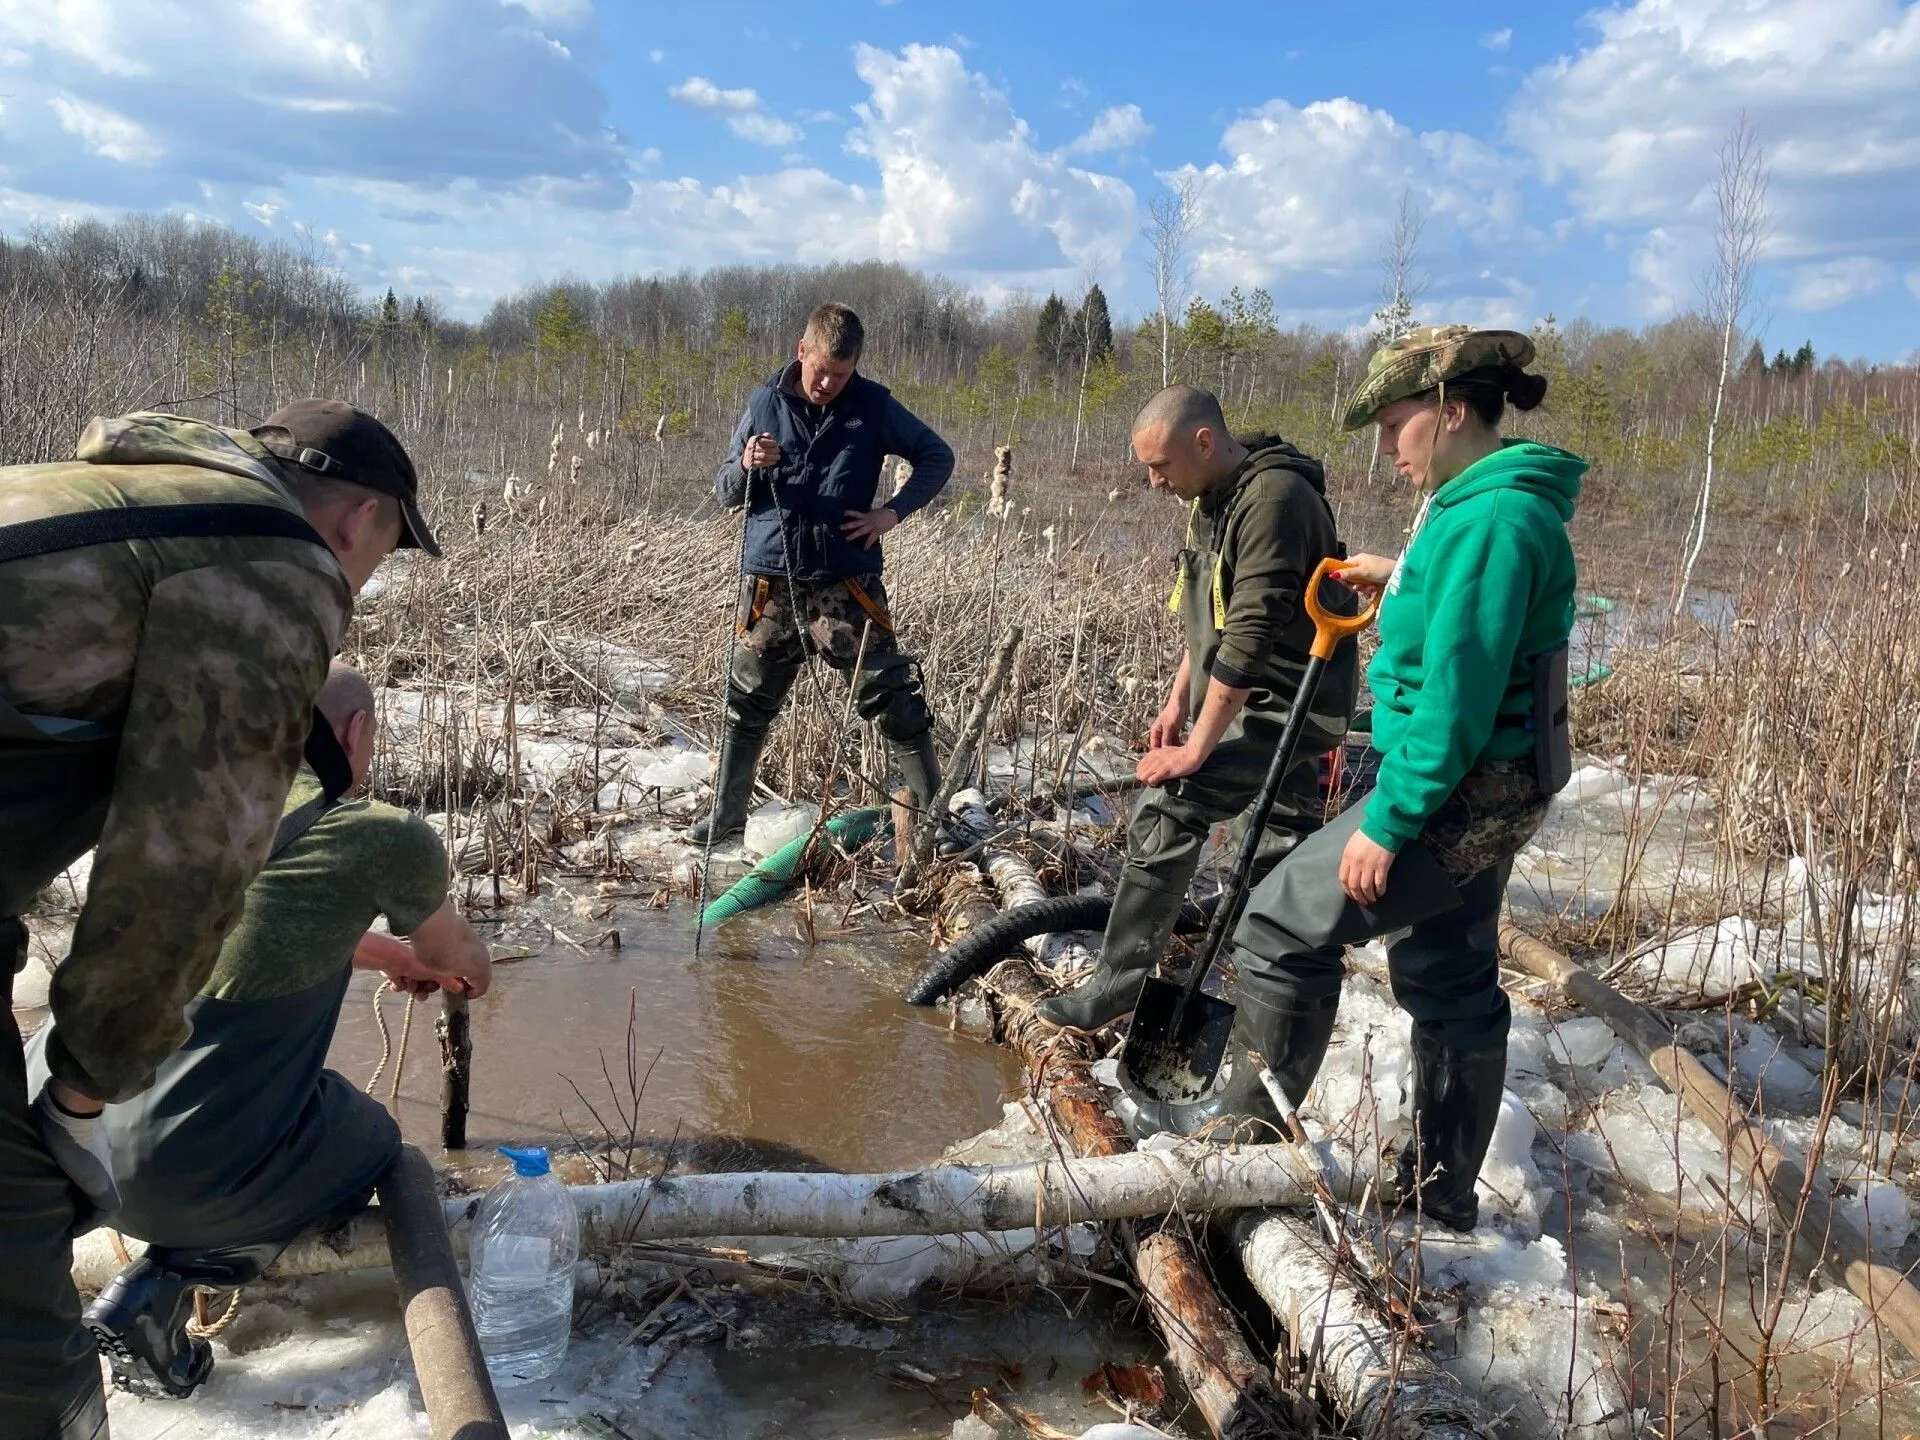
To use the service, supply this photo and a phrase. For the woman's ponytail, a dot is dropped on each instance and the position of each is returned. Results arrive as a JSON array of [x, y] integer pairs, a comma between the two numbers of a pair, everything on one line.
[[1523, 390]]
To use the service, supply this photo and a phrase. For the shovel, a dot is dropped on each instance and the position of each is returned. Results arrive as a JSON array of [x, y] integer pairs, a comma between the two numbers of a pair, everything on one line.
[[1179, 1036]]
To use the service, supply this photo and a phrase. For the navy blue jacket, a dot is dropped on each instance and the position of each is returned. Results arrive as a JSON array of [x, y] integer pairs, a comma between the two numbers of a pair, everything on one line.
[[830, 460]]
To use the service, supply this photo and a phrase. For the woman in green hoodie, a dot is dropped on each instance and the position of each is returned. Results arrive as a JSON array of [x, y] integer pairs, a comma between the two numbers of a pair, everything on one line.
[[1473, 625]]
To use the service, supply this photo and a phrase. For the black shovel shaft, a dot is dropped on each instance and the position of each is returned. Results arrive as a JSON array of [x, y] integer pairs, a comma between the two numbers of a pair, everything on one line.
[[1227, 913]]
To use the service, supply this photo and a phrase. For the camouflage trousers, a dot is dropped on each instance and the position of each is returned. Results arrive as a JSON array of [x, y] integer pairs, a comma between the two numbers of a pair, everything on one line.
[[1441, 909], [780, 623], [1492, 812]]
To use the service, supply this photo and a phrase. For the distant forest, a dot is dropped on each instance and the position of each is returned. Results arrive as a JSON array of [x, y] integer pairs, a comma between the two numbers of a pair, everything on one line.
[[644, 376]]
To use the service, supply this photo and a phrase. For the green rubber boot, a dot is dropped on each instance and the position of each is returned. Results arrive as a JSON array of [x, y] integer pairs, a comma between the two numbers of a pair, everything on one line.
[[1456, 1102], [732, 787]]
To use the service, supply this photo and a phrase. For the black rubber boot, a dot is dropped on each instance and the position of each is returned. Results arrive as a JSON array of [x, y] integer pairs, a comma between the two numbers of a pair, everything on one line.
[[140, 1320], [1138, 928], [919, 767], [85, 1417], [732, 787], [1290, 1037], [1456, 1101]]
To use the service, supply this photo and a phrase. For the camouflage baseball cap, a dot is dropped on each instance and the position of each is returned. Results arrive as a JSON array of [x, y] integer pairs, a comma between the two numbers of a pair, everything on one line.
[[1420, 361]]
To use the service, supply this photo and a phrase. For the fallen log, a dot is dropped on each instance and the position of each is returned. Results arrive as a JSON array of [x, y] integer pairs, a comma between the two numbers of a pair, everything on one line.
[[1382, 1387], [936, 1200], [1823, 1237], [455, 1388], [1232, 1390], [1018, 885]]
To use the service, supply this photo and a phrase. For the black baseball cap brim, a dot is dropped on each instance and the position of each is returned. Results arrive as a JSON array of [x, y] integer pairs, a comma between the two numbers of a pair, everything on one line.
[[336, 440]]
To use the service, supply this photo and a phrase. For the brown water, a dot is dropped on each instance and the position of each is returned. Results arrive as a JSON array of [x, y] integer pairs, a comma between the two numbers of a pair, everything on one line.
[[765, 1052]]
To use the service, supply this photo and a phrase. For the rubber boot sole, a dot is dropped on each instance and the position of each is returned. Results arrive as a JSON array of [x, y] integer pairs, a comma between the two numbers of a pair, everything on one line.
[[135, 1376]]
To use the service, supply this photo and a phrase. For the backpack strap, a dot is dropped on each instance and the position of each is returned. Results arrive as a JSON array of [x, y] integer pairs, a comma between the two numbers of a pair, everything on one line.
[[53, 533]]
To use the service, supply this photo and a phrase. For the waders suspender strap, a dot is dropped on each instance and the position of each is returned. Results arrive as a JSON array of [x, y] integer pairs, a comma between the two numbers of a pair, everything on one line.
[[330, 763], [28, 538]]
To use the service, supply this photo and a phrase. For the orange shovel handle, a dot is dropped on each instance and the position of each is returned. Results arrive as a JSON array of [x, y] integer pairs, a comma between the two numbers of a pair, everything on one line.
[[1329, 629]]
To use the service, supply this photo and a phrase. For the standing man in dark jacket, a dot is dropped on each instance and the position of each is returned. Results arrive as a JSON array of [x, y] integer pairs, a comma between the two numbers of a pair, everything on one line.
[[1257, 525], [806, 462]]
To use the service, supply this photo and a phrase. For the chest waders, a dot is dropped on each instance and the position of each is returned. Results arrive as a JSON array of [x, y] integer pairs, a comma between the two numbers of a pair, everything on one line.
[[56, 784]]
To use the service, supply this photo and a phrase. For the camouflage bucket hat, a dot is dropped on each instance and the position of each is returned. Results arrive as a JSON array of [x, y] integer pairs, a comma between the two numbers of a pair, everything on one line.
[[1425, 358]]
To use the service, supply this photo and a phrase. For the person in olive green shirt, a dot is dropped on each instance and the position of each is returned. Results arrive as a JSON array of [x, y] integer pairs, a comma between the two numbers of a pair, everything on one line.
[[244, 1139], [1473, 626], [1258, 524]]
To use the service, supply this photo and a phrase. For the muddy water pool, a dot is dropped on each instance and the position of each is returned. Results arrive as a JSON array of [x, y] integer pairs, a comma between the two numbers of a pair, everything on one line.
[[764, 1053]]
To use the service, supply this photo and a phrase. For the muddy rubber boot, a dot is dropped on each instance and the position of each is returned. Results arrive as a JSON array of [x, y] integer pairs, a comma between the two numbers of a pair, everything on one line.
[[140, 1320], [1292, 1039], [919, 767], [1456, 1101], [1138, 928], [732, 787], [85, 1417]]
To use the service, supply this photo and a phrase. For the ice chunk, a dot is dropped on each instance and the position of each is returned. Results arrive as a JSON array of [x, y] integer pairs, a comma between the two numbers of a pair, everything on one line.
[[1625, 1066], [1658, 1148], [679, 770], [1711, 960], [1778, 1080], [774, 825], [1879, 1207], [1581, 1043]]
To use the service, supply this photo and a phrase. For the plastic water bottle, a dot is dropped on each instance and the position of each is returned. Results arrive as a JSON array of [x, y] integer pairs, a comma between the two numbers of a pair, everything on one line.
[[525, 1241]]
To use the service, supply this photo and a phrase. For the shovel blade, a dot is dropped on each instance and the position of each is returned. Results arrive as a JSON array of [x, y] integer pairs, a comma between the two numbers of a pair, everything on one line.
[[1171, 1055]]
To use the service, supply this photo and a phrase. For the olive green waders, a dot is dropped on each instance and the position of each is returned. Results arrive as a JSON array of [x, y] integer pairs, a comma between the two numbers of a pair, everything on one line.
[[1171, 823], [55, 780]]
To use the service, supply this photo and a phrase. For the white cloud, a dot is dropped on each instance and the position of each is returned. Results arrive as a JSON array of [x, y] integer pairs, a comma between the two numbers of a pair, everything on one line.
[[1633, 124], [1498, 41], [105, 132], [819, 117], [657, 56], [1829, 283], [699, 93], [742, 110], [1118, 127], [263, 212], [963, 182], [1306, 195], [763, 129]]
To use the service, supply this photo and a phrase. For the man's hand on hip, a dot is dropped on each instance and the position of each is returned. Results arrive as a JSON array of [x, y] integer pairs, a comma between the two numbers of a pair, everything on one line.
[[867, 526]]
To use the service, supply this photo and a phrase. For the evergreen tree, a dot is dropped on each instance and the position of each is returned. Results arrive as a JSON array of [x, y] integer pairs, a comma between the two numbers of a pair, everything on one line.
[[1756, 361], [1093, 322], [1050, 332], [1803, 358]]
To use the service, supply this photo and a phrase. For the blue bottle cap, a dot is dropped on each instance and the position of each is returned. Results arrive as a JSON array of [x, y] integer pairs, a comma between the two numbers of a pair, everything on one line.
[[529, 1162]]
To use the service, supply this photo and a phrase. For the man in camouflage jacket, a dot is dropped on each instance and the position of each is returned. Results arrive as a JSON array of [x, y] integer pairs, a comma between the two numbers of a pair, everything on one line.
[[155, 694]]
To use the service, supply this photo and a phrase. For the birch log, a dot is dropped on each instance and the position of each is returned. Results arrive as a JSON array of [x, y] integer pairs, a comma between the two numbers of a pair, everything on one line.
[[1233, 1391], [937, 1200], [1382, 1389], [1823, 1236], [1018, 885]]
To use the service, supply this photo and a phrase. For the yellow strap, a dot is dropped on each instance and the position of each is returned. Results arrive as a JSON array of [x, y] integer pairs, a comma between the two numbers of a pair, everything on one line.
[[1180, 583], [1219, 598]]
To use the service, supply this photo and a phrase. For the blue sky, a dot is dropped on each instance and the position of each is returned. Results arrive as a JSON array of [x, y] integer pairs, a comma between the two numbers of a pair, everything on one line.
[[1562, 155]]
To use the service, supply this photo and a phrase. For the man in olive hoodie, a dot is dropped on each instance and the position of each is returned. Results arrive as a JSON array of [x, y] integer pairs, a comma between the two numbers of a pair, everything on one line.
[[1257, 525], [1473, 627]]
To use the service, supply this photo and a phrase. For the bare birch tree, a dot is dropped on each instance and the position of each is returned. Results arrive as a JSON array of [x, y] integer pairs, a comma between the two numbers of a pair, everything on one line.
[[1401, 281], [1171, 220], [1740, 230]]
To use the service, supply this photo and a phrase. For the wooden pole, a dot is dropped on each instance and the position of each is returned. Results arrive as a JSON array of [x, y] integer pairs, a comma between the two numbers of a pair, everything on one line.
[[1822, 1235], [1233, 1391], [456, 1070], [454, 1384]]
